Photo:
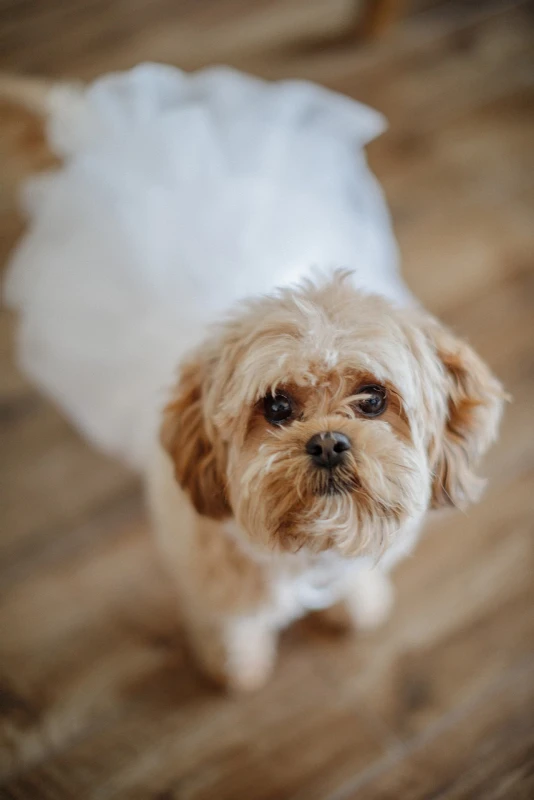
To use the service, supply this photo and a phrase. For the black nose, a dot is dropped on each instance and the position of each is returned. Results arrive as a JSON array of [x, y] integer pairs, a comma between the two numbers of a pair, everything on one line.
[[327, 449]]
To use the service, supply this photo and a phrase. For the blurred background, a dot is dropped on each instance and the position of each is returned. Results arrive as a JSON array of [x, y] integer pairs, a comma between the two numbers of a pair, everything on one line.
[[98, 698]]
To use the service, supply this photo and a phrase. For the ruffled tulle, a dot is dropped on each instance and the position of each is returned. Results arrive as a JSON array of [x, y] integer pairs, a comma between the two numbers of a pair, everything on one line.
[[179, 195]]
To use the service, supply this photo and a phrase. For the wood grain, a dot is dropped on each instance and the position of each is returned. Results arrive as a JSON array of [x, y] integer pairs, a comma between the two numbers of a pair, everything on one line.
[[98, 698]]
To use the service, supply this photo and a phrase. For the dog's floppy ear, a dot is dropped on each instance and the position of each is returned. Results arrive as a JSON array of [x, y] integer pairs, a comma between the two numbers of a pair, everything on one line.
[[195, 449], [474, 401]]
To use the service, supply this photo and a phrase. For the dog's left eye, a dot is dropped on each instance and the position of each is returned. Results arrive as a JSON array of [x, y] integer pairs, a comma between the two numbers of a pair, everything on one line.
[[374, 400], [277, 408]]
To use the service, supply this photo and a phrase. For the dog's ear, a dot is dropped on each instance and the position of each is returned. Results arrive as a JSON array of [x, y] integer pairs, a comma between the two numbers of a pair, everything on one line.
[[193, 445], [474, 402]]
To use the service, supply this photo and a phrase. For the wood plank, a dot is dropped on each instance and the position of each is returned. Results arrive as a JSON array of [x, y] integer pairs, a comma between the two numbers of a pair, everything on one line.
[[49, 480], [175, 735], [485, 749], [466, 218]]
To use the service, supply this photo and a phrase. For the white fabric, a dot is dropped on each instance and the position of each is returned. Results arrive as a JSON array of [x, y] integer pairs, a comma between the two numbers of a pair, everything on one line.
[[179, 195]]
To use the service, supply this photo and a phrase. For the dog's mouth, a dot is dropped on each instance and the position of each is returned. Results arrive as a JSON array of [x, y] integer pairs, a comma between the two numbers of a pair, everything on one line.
[[329, 484]]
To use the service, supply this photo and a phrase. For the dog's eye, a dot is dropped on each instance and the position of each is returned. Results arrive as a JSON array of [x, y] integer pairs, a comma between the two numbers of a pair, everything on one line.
[[373, 401], [277, 408]]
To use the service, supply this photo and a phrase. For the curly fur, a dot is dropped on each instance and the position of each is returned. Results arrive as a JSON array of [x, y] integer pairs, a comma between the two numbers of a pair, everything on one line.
[[319, 343]]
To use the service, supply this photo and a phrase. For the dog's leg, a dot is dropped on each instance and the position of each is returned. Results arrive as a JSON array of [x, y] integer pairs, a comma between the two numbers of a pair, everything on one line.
[[251, 651], [223, 593], [236, 652], [370, 599], [366, 605]]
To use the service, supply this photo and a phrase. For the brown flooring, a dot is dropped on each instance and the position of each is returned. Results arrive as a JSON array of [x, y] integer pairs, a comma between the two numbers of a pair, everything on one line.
[[97, 696]]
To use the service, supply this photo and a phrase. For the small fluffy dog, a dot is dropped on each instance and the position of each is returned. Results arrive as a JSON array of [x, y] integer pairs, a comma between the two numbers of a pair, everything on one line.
[[311, 433], [314, 421]]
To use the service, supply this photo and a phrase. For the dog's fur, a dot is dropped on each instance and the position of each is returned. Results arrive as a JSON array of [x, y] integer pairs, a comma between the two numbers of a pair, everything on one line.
[[253, 532], [266, 540]]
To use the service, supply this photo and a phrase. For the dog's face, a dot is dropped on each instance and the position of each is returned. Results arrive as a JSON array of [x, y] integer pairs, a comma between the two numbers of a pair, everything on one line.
[[325, 418]]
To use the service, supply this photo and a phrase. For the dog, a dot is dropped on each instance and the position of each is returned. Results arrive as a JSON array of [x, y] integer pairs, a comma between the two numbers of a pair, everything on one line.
[[316, 417], [304, 444]]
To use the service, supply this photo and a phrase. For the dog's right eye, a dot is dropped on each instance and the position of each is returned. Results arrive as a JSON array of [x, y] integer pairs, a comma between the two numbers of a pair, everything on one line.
[[277, 408]]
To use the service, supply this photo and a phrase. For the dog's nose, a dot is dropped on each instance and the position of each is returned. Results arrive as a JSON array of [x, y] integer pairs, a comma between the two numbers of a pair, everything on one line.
[[327, 449]]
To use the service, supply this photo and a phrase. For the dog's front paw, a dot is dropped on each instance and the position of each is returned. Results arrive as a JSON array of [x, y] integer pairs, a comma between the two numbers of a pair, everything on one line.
[[251, 652], [370, 599]]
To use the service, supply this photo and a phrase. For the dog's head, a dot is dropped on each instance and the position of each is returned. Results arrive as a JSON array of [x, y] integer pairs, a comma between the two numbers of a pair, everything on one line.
[[327, 418]]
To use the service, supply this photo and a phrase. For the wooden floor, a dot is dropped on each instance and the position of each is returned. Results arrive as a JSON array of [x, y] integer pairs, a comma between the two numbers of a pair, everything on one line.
[[97, 696]]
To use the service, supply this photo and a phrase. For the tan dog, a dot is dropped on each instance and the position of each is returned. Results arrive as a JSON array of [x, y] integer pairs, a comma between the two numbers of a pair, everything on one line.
[[310, 433]]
